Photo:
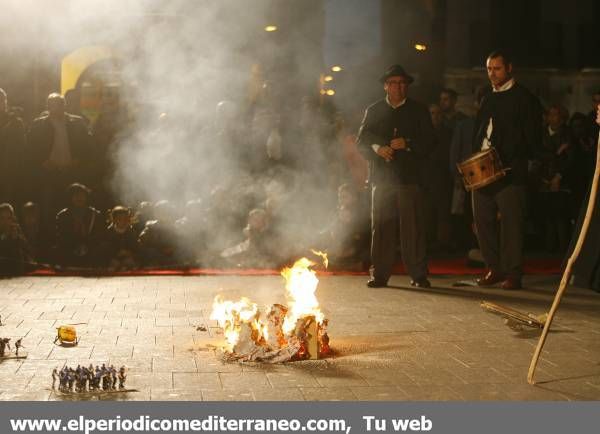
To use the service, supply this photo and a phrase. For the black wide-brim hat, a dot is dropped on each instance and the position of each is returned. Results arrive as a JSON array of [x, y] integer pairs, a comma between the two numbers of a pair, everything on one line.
[[77, 187], [395, 70]]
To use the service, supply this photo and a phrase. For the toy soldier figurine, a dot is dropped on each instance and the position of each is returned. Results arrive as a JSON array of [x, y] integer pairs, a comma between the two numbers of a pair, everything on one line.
[[85, 379], [97, 378], [18, 345], [113, 373], [122, 377], [106, 380], [90, 377], [62, 383], [4, 343], [54, 377], [71, 379]]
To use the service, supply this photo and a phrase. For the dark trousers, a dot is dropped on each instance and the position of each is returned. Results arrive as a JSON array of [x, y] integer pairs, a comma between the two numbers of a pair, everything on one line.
[[501, 242], [397, 214]]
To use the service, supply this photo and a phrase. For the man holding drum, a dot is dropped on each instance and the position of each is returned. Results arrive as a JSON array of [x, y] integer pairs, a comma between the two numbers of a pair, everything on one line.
[[509, 120], [395, 137]]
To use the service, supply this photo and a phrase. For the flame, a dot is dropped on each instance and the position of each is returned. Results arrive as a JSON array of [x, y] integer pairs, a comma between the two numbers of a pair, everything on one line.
[[301, 284], [230, 315], [322, 255], [284, 334]]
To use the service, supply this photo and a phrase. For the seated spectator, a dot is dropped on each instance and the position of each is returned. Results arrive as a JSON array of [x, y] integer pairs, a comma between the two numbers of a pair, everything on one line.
[[12, 153], [191, 230], [121, 246], [37, 239], [256, 249], [158, 240], [346, 239], [224, 220], [13, 246], [289, 241], [79, 230], [143, 214]]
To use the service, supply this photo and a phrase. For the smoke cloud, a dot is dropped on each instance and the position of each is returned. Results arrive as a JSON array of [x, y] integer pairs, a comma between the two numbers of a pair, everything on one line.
[[206, 97]]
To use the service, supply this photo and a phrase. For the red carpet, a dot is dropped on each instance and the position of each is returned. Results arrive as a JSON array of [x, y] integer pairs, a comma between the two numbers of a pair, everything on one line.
[[436, 267]]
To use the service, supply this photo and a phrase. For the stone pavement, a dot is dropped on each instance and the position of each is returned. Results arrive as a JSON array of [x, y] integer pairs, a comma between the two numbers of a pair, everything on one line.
[[395, 343]]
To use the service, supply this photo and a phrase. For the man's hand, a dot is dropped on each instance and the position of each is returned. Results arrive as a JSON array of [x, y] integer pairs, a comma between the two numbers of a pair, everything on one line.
[[555, 182], [398, 144], [386, 152], [562, 148]]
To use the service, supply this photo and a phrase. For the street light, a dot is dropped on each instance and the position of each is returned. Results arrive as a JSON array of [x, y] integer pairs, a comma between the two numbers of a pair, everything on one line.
[[270, 28], [420, 47], [336, 68], [328, 78]]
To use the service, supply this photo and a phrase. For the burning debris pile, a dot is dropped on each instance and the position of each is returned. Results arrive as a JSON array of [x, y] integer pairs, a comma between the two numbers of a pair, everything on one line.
[[294, 332]]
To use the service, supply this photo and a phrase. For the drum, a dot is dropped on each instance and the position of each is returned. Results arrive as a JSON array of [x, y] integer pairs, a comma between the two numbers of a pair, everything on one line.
[[481, 169]]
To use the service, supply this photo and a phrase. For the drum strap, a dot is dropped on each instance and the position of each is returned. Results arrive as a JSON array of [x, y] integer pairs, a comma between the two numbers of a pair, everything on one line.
[[487, 140]]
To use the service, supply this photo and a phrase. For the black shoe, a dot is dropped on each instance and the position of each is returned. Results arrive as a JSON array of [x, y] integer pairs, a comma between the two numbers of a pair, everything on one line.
[[512, 283], [421, 283], [372, 283], [490, 278]]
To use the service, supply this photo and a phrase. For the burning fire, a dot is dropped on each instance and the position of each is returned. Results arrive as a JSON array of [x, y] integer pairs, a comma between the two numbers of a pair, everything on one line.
[[231, 315], [296, 331], [301, 284]]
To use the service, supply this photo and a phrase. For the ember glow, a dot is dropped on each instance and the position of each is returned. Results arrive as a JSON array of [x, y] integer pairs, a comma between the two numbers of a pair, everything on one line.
[[292, 332]]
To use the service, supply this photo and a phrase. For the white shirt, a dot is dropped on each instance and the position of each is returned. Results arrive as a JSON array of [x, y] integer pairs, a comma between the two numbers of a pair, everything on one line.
[[487, 143], [60, 155], [375, 146]]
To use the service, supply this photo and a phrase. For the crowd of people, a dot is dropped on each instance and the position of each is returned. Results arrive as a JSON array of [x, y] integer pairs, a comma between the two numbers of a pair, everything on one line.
[[263, 207], [58, 207]]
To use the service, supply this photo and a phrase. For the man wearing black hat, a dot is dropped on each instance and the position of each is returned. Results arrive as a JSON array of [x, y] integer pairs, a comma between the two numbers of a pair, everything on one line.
[[395, 137]]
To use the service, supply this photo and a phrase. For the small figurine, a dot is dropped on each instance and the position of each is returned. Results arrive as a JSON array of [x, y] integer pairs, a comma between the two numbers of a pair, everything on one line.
[[4, 343], [18, 344], [54, 377], [71, 379], [122, 377], [62, 382], [113, 373], [106, 380]]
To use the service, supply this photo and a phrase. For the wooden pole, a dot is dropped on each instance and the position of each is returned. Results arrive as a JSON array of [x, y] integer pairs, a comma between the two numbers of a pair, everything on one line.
[[567, 273]]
